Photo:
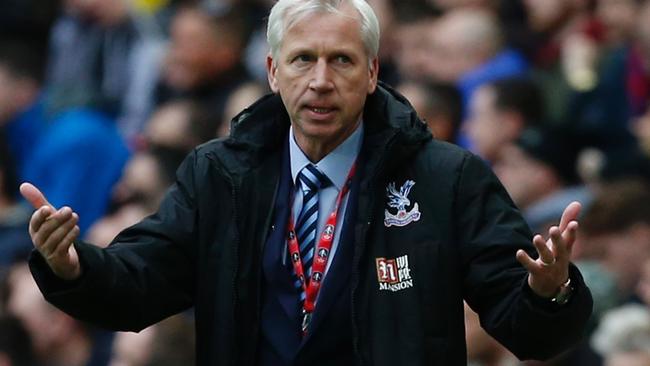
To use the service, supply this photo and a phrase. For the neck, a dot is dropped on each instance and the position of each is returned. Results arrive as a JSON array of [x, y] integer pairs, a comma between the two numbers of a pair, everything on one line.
[[317, 148]]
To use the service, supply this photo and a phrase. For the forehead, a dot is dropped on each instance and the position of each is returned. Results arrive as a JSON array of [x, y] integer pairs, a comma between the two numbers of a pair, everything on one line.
[[325, 29]]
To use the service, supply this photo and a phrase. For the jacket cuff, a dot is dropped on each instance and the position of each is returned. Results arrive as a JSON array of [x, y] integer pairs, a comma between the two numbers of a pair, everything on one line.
[[546, 304], [51, 284]]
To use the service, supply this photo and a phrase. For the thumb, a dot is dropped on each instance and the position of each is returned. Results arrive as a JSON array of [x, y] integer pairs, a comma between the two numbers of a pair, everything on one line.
[[33, 195]]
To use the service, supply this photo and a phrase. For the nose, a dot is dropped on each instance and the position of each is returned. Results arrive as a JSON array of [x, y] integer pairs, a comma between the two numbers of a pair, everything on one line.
[[321, 79]]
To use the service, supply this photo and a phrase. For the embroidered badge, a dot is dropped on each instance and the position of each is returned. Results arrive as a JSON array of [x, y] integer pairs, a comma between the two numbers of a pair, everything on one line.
[[400, 201], [394, 274]]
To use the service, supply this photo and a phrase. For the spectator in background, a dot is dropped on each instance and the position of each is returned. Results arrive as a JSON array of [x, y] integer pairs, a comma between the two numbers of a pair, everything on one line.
[[14, 217], [482, 349], [499, 112], [179, 124], [623, 337], [615, 16], [616, 229], [63, 153], [58, 339], [468, 51], [204, 61], [15, 344], [21, 115], [439, 105], [539, 172], [413, 52], [168, 343], [104, 55], [139, 192], [239, 99]]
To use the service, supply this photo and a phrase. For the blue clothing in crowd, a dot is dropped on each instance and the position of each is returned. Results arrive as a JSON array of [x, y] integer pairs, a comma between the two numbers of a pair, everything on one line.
[[508, 63], [75, 158]]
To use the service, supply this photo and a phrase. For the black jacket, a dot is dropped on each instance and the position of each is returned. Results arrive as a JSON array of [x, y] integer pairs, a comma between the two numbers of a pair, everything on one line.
[[203, 248]]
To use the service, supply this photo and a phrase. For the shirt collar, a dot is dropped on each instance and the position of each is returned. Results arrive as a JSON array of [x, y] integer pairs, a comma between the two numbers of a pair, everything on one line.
[[334, 165]]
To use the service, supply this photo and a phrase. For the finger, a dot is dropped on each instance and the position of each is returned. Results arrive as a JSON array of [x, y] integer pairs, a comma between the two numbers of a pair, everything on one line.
[[57, 236], [526, 261], [558, 246], [33, 195], [569, 236], [38, 218], [545, 253], [570, 213], [51, 223], [64, 247]]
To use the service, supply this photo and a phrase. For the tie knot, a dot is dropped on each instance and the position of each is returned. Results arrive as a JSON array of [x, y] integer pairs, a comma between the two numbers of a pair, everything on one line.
[[312, 179]]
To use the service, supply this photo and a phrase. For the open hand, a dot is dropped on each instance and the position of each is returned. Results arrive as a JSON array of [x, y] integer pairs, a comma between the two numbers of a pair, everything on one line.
[[551, 269], [53, 232]]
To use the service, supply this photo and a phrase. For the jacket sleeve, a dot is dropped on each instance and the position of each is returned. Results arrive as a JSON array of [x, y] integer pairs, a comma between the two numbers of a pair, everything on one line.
[[491, 230], [144, 276]]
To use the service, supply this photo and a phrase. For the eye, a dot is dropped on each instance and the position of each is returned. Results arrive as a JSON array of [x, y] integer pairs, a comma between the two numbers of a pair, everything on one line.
[[303, 58], [343, 59]]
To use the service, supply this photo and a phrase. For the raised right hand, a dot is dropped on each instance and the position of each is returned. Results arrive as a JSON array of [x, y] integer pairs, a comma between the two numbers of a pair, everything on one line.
[[53, 232]]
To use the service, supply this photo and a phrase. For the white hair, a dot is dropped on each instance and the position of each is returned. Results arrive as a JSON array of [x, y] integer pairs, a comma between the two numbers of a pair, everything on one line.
[[285, 13], [623, 329]]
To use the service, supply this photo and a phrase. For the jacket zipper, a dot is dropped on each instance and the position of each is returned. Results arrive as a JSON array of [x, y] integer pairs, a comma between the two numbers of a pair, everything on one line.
[[357, 256]]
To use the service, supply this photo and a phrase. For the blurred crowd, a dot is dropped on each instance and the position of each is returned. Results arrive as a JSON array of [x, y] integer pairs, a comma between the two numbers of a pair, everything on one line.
[[100, 101]]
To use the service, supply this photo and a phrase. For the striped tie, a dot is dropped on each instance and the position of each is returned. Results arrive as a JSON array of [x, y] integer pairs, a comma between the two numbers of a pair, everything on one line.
[[311, 180]]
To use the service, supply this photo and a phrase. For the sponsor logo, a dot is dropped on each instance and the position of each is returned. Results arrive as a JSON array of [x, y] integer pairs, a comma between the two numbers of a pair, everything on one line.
[[394, 274], [400, 201]]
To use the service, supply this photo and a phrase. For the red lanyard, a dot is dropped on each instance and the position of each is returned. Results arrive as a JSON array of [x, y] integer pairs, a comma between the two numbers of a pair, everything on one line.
[[321, 254]]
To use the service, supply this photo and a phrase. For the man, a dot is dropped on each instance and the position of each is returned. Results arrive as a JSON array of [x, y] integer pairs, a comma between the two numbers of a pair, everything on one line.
[[424, 225], [499, 112]]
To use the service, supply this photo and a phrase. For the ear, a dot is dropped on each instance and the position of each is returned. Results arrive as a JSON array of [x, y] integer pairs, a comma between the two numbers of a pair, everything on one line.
[[271, 69], [374, 72]]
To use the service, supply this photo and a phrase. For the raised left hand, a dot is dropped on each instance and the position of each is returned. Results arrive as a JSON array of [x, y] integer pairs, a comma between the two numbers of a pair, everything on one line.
[[551, 269]]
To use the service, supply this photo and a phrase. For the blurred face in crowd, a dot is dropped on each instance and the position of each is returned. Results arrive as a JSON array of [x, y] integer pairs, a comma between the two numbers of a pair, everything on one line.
[[168, 126], [413, 49], [642, 34], [632, 358], [15, 94], [141, 181], [616, 16], [526, 179], [196, 53], [323, 76], [46, 325], [487, 125], [625, 254], [439, 121], [545, 15], [105, 12]]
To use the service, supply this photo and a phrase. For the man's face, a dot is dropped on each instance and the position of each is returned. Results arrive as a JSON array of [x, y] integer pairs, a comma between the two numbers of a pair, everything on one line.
[[195, 52], [525, 178], [323, 76], [484, 127]]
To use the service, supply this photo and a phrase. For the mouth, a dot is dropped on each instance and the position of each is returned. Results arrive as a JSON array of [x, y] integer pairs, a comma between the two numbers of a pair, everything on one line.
[[320, 112]]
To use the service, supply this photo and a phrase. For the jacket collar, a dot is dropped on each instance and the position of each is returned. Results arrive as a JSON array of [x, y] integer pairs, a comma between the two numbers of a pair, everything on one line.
[[392, 128]]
